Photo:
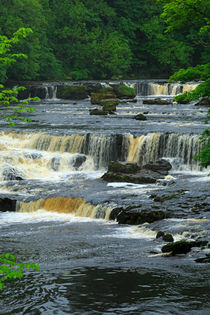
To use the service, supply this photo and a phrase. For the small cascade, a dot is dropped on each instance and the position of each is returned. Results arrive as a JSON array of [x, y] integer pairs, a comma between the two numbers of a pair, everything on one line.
[[146, 88], [180, 149], [75, 206]]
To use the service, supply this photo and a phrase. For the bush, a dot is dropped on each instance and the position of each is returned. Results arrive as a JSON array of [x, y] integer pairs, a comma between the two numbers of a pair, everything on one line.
[[200, 72], [201, 90]]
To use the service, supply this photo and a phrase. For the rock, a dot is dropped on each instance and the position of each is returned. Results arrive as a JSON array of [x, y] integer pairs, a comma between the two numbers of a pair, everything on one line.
[[204, 101], [140, 116], [161, 166], [22, 95], [124, 91], [203, 260], [97, 111], [164, 197], [7, 204], [140, 217], [78, 160], [180, 247], [10, 173], [168, 238], [131, 172], [92, 87], [96, 98], [160, 234], [109, 104], [55, 163], [38, 91], [157, 101], [123, 167], [72, 92]]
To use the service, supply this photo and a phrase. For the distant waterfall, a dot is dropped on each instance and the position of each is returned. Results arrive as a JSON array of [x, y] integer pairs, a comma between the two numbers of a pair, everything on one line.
[[75, 206], [146, 88]]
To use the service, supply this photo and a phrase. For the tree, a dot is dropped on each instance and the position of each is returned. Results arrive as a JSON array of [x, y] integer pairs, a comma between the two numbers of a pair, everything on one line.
[[8, 97]]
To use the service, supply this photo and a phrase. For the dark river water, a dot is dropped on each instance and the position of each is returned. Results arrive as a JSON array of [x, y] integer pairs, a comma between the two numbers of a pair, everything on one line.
[[88, 263]]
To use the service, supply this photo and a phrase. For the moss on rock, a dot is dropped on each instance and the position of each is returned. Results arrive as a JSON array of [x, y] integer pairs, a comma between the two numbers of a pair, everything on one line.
[[72, 92]]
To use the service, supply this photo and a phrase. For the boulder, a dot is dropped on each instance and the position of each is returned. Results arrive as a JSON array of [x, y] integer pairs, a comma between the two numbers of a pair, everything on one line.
[[109, 104], [160, 234], [7, 204], [157, 101], [161, 166], [168, 237], [204, 101], [140, 217], [132, 173], [140, 116], [55, 163], [123, 167], [78, 160], [96, 98], [72, 92], [124, 91], [180, 247], [97, 111], [10, 173]]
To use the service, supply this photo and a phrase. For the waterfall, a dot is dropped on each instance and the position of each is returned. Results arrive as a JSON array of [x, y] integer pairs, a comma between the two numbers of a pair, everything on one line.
[[75, 206], [146, 88], [27, 151]]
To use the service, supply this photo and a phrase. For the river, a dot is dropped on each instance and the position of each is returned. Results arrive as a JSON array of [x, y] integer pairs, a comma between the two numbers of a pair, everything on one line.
[[89, 263]]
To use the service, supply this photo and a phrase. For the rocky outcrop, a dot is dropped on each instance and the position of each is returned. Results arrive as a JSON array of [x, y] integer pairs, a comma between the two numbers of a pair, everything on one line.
[[96, 98], [72, 92], [204, 101], [180, 247], [131, 172], [7, 204], [140, 217], [157, 101], [10, 173]]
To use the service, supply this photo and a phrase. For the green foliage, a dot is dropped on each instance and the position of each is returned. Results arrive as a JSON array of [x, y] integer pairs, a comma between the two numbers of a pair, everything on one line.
[[200, 72], [11, 270], [8, 100], [126, 90], [200, 91]]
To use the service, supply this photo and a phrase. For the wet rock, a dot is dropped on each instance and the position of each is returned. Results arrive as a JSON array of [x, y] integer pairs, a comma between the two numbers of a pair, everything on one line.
[[164, 197], [204, 101], [72, 92], [97, 111], [109, 104], [131, 172], [140, 116], [180, 247], [78, 160], [204, 260], [157, 101], [160, 234], [140, 217], [55, 163], [168, 237], [22, 95], [10, 173], [161, 166], [123, 167], [38, 91], [7, 204]]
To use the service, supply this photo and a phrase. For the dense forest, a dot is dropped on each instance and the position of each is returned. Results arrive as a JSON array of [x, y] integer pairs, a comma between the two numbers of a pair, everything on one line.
[[100, 39]]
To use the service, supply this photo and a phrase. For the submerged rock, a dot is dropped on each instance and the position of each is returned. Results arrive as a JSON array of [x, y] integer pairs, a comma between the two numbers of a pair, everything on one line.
[[97, 111], [140, 116]]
